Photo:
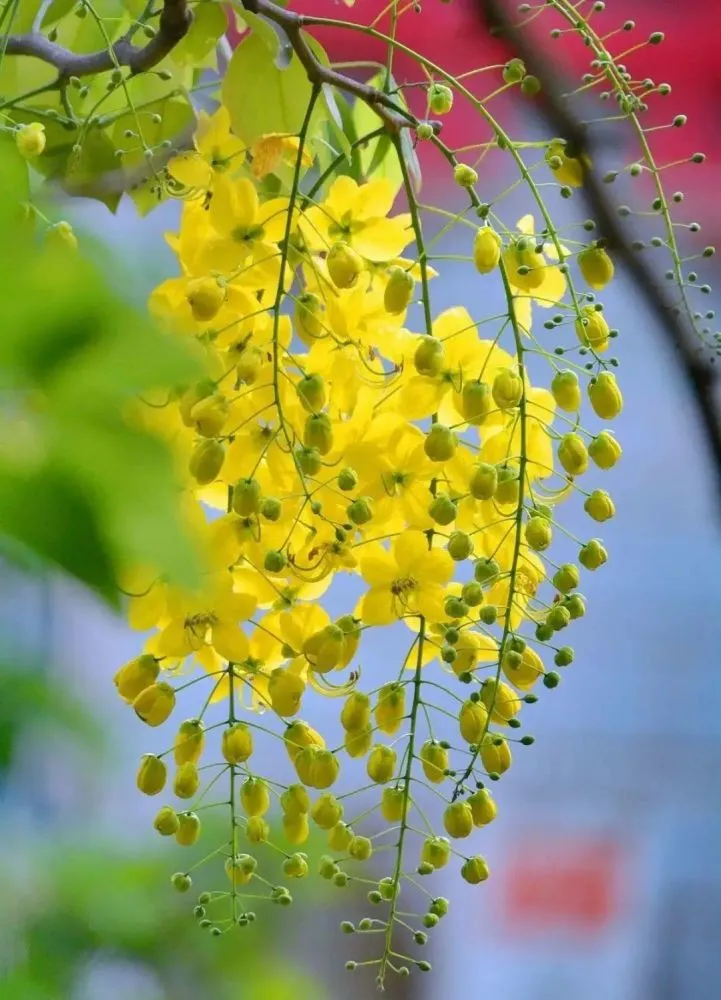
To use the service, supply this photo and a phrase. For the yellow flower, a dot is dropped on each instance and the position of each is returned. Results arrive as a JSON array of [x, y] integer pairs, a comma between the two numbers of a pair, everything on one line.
[[216, 150], [356, 214], [408, 580], [271, 149], [530, 275]]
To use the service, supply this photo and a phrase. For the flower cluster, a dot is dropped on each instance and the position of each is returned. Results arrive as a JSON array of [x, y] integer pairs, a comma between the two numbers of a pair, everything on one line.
[[342, 433]]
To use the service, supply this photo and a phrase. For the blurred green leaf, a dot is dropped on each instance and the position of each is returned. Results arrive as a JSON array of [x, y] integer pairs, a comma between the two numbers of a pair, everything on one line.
[[209, 23]]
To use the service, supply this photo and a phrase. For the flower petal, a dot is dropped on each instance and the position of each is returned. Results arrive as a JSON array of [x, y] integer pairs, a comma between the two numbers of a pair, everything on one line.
[[230, 642], [408, 549], [378, 607], [377, 566]]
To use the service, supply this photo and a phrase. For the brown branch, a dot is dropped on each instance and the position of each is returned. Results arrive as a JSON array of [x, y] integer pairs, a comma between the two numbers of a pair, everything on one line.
[[173, 25], [681, 337]]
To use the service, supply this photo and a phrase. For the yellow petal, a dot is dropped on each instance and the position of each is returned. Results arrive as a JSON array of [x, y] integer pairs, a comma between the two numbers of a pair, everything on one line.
[[191, 170], [378, 607], [230, 642]]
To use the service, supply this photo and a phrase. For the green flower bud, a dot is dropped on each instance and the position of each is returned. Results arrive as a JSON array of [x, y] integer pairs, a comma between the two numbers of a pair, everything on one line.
[[341, 880], [604, 450], [430, 920], [472, 593], [566, 391], [566, 578], [318, 433], [488, 614], [274, 562], [599, 506], [558, 617], [424, 131], [484, 481], [573, 454], [507, 389], [246, 497], [181, 882], [347, 479], [476, 402], [309, 461], [296, 866], [465, 176], [576, 606], [188, 830], [455, 608], [308, 317], [486, 250], [360, 511], [514, 71], [311, 392], [460, 546], [327, 811], [507, 491], [486, 570], [389, 888], [596, 267], [398, 293], [436, 851], [563, 657], [154, 704], [340, 837], [257, 830], [442, 509], [592, 555], [205, 296], [475, 870], [440, 99], [152, 775], [344, 265], [483, 807], [440, 444], [393, 804], [429, 356], [439, 906], [206, 461], [209, 415], [592, 330], [240, 868], [271, 508], [605, 396], [166, 821], [360, 848], [327, 867], [539, 533]]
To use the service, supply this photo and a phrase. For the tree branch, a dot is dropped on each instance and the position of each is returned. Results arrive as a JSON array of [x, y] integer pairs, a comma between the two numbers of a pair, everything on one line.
[[698, 373], [173, 25]]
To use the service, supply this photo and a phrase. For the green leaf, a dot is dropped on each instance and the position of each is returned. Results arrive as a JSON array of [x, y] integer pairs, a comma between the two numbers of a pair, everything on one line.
[[260, 97], [208, 26], [24, 19]]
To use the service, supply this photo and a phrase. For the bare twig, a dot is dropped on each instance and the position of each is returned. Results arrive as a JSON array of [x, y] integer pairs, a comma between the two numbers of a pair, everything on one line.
[[173, 24], [699, 374]]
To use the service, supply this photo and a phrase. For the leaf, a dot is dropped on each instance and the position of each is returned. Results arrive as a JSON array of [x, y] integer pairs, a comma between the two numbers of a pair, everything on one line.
[[374, 163], [260, 97], [24, 18], [280, 48], [208, 26]]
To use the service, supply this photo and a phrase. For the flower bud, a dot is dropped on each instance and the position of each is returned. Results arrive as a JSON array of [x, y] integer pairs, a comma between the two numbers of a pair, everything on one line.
[[391, 707], [249, 361], [442, 509], [240, 868], [592, 330], [327, 868], [593, 555], [299, 735], [472, 594], [381, 764], [460, 546], [605, 396], [604, 450], [255, 797], [525, 672], [360, 848], [189, 742], [237, 743], [599, 506], [154, 704], [166, 821], [399, 291], [318, 433], [358, 743], [210, 414], [508, 488], [344, 265], [514, 71], [440, 98], [136, 676], [473, 721], [475, 870], [151, 775], [486, 571], [486, 250], [296, 828], [246, 497], [308, 316], [458, 820], [436, 851], [257, 830], [296, 866], [429, 356], [484, 481], [347, 479], [311, 392], [30, 140], [596, 267], [440, 444], [525, 267], [61, 236], [500, 700], [186, 781], [558, 617], [205, 296], [285, 690], [327, 811], [507, 389], [360, 512], [206, 461], [573, 454], [576, 606], [539, 533], [476, 402], [464, 175], [188, 830], [340, 837], [356, 712], [566, 578], [483, 807], [566, 391], [434, 761], [181, 882], [496, 758], [393, 804]]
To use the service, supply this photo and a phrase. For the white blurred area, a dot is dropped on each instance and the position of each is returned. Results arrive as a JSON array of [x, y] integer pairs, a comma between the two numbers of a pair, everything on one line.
[[604, 857]]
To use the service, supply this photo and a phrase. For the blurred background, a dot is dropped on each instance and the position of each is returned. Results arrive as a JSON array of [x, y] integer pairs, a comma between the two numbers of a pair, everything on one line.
[[605, 876]]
